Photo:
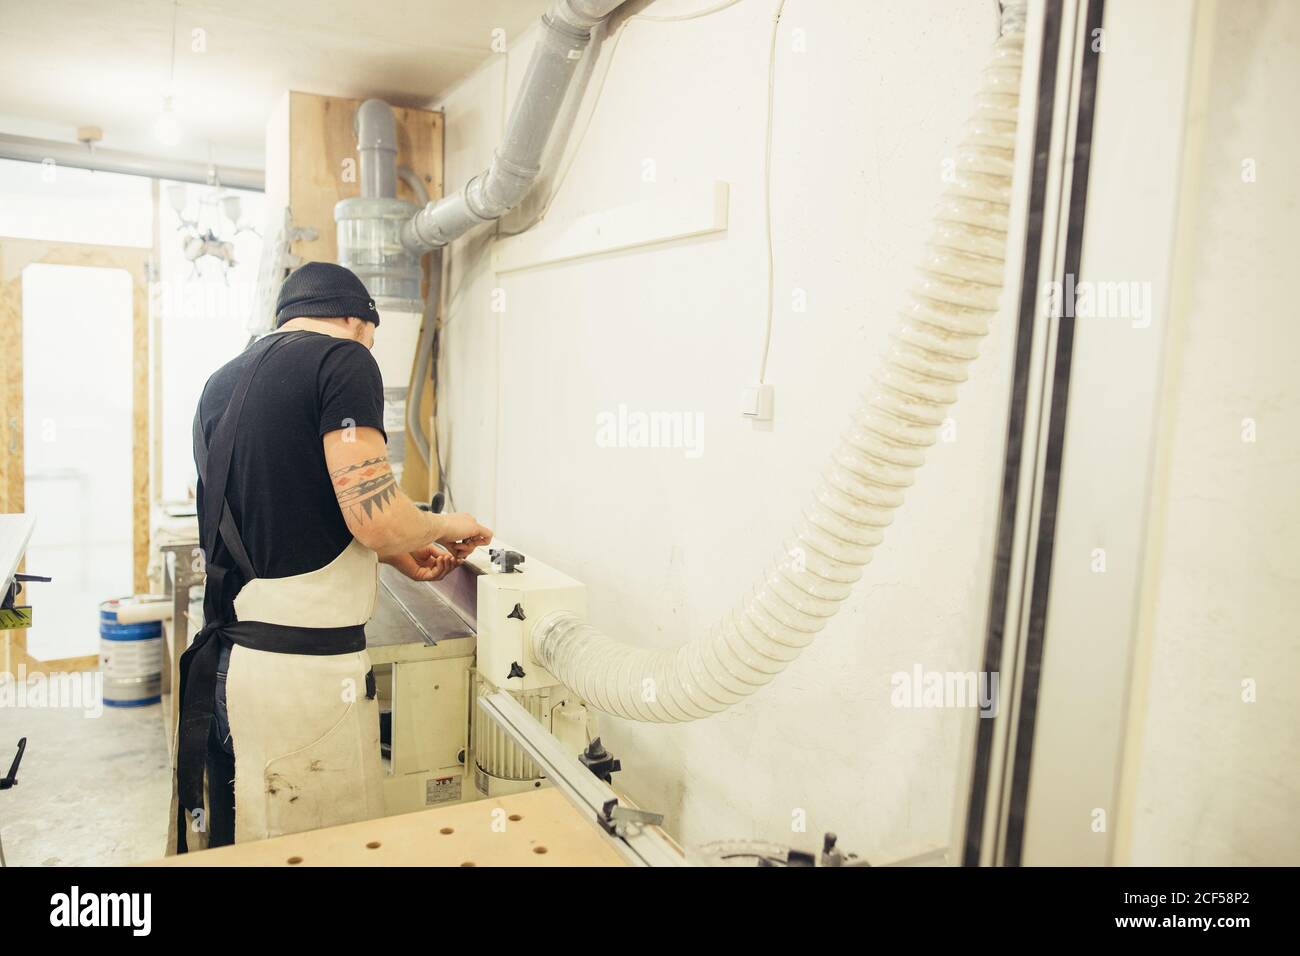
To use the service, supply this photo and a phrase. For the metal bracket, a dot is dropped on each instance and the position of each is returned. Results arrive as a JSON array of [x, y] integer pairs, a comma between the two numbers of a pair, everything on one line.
[[11, 778], [632, 833], [626, 821], [16, 585], [507, 561]]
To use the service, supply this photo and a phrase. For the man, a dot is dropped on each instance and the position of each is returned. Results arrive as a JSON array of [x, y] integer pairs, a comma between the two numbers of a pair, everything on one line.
[[279, 727]]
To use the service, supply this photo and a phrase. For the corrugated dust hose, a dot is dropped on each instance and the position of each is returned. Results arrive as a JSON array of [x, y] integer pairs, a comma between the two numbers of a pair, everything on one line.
[[947, 313]]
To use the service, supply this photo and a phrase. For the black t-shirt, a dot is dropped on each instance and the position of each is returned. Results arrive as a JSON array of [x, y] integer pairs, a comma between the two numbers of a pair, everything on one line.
[[279, 487]]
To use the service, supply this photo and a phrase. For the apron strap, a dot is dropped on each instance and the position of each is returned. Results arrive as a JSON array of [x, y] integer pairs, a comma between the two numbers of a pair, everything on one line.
[[229, 532], [198, 682], [215, 465], [287, 639]]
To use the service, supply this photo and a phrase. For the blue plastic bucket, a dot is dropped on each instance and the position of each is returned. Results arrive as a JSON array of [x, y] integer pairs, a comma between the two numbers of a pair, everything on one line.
[[130, 656]]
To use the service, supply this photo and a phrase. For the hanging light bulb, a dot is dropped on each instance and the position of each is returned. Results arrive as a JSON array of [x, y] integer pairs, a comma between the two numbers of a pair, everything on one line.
[[178, 196], [167, 130], [233, 208]]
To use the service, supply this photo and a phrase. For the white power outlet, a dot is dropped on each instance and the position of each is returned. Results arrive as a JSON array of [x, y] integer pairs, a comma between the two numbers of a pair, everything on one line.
[[756, 402]]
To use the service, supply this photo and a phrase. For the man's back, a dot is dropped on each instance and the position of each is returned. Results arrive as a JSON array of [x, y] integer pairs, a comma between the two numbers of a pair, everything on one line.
[[279, 488]]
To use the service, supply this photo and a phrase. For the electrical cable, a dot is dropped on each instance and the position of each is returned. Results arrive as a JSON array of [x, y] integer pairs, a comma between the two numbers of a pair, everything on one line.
[[767, 194]]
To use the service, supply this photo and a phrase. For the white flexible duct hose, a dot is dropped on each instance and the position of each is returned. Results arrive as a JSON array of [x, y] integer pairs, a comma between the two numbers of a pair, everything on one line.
[[948, 312]]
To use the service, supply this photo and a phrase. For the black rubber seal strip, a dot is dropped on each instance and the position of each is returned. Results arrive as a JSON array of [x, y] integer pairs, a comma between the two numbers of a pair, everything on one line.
[[976, 806], [1037, 636]]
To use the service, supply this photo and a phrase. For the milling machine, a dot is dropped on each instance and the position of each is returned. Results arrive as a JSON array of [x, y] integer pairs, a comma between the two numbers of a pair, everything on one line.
[[439, 647]]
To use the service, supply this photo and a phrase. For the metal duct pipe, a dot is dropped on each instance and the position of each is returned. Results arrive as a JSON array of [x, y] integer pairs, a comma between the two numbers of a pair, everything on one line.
[[584, 14], [77, 156], [376, 133], [565, 34], [370, 225]]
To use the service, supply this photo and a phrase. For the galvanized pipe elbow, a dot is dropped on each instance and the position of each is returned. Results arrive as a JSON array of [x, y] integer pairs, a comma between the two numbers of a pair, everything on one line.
[[517, 162]]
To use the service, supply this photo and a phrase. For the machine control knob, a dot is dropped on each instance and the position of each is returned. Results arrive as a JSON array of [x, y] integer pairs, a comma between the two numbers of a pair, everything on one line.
[[832, 855], [507, 562], [600, 761]]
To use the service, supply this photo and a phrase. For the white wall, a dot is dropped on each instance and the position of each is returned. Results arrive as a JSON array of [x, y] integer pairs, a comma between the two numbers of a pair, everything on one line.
[[666, 543], [1218, 778]]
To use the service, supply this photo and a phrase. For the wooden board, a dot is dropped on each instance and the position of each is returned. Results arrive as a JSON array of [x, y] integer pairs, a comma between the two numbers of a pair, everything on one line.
[[11, 390], [537, 828], [680, 211]]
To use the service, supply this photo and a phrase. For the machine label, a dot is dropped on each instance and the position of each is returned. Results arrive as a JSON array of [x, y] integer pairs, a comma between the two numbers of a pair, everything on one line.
[[441, 790]]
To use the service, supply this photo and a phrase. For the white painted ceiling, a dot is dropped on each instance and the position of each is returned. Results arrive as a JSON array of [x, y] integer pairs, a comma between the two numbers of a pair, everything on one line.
[[107, 63]]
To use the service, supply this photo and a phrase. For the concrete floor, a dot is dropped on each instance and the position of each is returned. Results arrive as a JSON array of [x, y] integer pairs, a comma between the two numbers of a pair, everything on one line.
[[92, 791]]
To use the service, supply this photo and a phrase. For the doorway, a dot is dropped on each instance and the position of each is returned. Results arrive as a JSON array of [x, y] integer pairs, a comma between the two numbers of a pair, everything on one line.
[[74, 320]]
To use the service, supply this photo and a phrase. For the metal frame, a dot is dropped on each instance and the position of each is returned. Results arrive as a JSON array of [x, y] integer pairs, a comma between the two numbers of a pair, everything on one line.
[[992, 827], [1082, 79], [637, 842], [29, 150], [179, 576]]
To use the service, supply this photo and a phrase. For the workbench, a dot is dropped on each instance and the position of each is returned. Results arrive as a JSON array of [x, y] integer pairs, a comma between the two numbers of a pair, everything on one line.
[[535, 828]]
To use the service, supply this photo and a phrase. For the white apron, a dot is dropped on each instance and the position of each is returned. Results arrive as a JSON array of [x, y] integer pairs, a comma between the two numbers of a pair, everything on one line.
[[305, 734]]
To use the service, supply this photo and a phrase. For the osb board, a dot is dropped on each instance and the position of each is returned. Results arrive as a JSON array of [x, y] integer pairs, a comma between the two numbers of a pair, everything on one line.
[[11, 388], [15, 256], [536, 828], [418, 481], [323, 168]]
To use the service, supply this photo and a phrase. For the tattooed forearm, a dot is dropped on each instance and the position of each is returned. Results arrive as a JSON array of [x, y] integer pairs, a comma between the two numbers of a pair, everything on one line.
[[379, 516], [365, 489]]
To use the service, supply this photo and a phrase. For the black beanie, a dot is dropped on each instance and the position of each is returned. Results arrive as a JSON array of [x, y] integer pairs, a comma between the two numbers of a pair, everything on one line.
[[324, 290]]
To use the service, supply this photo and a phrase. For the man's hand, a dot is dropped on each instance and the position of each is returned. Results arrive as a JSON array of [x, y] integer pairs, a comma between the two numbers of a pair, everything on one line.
[[424, 564], [462, 533]]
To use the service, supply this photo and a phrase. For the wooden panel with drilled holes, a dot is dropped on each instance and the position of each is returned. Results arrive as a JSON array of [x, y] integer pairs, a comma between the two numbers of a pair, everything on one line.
[[536, 828]]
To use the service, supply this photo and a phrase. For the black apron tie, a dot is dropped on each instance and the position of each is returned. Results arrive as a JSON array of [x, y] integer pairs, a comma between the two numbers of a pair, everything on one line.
[[198, 665]]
